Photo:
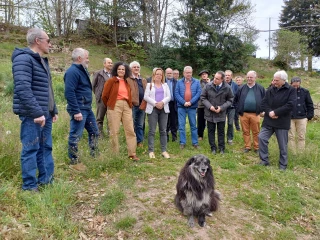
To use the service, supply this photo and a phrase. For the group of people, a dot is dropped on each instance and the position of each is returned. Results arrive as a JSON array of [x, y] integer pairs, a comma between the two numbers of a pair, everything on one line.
[[123, 96]]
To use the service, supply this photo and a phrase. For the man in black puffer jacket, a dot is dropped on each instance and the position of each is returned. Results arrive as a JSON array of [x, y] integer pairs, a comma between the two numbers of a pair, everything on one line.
[[33, 101], [302, 112]]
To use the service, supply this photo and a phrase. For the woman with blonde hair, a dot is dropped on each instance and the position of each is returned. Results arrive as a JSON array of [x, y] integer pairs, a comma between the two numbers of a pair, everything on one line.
[[116, 96], [157, 96]]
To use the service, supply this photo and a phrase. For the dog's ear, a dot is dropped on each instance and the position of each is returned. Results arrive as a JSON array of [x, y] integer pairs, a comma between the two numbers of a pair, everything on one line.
[[190, 161]]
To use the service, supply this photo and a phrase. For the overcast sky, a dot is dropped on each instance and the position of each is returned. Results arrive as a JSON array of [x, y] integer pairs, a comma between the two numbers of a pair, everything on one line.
[[266, 9]]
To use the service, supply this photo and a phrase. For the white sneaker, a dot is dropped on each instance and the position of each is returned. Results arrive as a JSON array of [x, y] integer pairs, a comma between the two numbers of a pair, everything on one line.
[[165, 155], [151, 155]]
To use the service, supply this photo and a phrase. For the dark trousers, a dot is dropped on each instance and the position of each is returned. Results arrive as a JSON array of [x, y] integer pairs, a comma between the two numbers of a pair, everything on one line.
[[211, 135], [201, 122], [236, 120], [172, 124]]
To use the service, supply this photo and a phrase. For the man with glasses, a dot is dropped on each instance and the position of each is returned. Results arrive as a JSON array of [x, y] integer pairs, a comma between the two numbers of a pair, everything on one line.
[[33, 102]]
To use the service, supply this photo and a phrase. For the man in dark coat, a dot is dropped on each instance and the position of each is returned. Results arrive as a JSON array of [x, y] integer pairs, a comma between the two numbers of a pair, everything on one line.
[[277, 104], [33, 101], [216, 97], [98, 82], [302, 112]]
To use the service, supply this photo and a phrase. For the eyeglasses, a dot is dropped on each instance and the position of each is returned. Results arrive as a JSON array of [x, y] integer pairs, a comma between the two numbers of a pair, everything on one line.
[[47, 39]]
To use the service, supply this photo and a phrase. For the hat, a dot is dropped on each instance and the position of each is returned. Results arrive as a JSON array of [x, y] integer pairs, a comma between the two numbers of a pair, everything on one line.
[[203, 71]]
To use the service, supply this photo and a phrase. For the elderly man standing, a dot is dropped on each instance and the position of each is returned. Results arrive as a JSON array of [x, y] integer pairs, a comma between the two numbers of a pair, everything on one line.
[[302, 112], [98, 82], [78, 92], [138, 86], [33, 102], [172, 124], [175, 74], [277, 105], [216, 96], [231, 110], [187, 95], [248, 104]]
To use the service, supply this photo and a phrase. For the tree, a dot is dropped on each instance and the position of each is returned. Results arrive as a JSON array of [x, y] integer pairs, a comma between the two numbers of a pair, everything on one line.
[[290, 47], [208, 29], [304, 17]]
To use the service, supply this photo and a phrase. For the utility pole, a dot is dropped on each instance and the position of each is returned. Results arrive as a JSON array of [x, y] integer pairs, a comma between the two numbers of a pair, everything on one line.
[[269, 38]]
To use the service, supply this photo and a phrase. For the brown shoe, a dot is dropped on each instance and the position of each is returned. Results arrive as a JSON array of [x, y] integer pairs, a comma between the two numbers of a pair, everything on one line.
[[79, 167], [140, 144], [196, 146], [134, 158]]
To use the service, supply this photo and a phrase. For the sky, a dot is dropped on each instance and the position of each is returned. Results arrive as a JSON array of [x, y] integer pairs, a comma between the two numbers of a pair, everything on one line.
[[266, 9]]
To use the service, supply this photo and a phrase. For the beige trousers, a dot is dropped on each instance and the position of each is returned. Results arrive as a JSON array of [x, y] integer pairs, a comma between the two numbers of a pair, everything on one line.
[[299, 127], [122, 113]]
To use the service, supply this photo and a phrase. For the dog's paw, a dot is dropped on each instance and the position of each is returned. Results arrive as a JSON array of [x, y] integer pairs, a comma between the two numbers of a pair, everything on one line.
[[202, 224], [191, 222]]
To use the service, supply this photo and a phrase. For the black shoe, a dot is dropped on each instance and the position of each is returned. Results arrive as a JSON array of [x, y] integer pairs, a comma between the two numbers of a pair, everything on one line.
[[213, 152], [263, 163], [256, 151], [246, 150], [174, 139], [221, 151], [196, 147]]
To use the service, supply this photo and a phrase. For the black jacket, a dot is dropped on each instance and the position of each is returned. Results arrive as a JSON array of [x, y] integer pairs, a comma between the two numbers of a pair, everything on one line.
[[304, 107], [240, 97], [281, 101]]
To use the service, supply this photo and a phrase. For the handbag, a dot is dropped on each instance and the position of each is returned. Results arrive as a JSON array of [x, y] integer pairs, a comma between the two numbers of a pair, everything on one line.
[[143, 104]]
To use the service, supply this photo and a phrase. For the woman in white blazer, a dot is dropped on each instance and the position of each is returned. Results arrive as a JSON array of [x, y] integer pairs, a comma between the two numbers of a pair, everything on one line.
[[157, 97]]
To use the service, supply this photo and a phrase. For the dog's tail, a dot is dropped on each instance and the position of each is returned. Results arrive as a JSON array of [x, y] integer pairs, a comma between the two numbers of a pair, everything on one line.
[[215, 198]]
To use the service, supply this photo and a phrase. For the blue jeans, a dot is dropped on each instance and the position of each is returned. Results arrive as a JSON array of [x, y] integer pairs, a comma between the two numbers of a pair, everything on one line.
[[36, 153], [182, 114], [76, 129], [138, 121]]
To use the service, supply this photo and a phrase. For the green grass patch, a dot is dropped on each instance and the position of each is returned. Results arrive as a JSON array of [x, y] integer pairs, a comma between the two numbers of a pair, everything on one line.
[[112, 200]]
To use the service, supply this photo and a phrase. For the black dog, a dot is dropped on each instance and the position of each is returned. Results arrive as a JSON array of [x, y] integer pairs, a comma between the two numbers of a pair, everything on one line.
[[196, 196]]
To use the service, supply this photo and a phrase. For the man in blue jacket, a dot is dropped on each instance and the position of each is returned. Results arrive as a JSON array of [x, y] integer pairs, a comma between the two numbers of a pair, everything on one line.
[[33, 101], [78, 92], [187, 94]]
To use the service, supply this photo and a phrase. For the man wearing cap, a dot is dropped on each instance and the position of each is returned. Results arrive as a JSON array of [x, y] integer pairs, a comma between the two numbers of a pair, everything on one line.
[[201, 122], [302, 112], [230, 110]]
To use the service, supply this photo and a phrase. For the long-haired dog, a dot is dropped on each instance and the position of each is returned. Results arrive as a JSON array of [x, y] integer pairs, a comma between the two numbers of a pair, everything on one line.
[[196, 196]]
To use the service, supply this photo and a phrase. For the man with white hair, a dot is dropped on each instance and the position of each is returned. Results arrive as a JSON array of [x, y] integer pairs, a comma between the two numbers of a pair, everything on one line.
[[277, 104], [187, 95], [138, 86], [98, 82], [78, 92], [33, 102]]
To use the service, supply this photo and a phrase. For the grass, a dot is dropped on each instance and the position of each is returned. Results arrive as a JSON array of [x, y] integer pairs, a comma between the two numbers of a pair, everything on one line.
[[117, 198]]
